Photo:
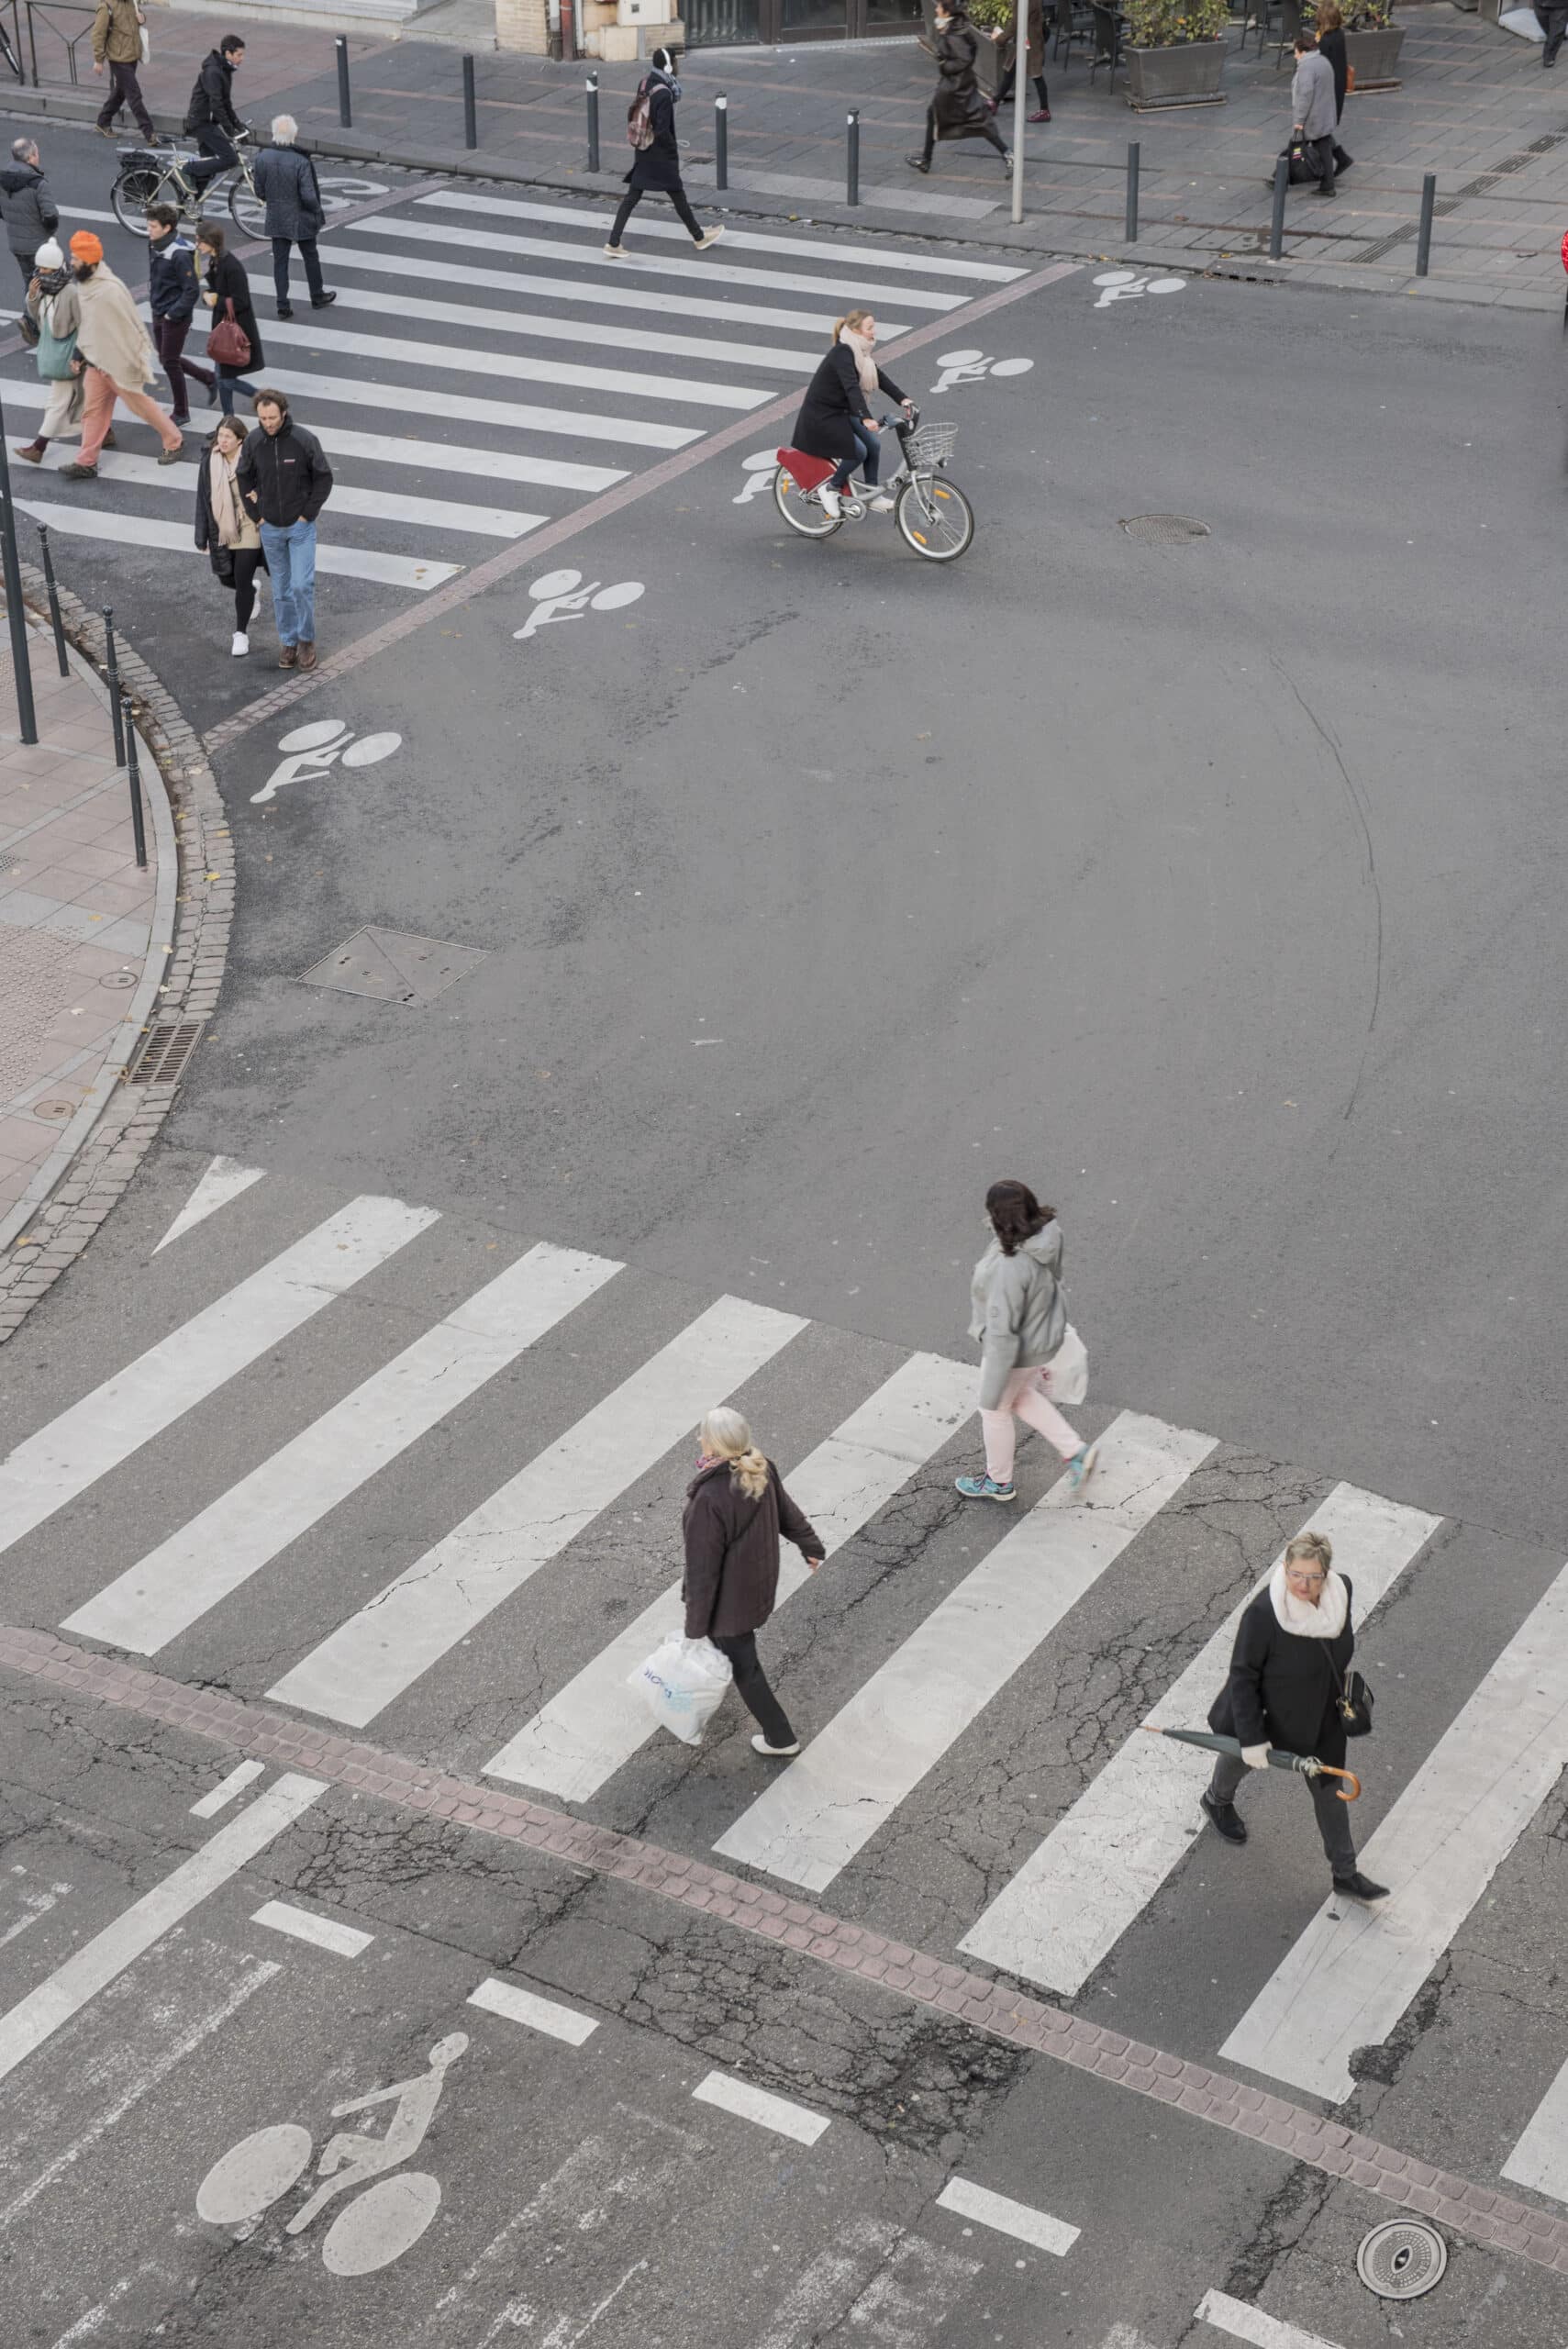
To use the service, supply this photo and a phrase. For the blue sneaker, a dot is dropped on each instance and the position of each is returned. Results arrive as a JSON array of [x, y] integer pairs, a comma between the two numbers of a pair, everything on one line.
[[985, 1489], [1080, 1467]]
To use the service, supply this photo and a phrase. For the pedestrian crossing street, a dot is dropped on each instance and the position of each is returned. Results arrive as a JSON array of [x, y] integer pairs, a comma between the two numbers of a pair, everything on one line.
[[486, 368], [552, 1573]]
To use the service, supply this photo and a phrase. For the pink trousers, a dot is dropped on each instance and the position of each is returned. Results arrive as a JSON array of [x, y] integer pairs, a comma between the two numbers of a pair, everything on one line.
[[1023, 1398], [98, 413]]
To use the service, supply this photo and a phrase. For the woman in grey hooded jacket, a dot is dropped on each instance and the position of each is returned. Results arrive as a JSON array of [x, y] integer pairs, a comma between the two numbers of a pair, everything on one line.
[[1020, 1318]]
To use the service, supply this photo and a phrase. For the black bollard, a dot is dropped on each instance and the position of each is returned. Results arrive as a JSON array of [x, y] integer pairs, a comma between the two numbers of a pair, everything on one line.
[[138, 828], [721, 141], [54, 592], [852, 168], [345, 111], [593, 122], [470, 105], [112, 668], [1276, 226], [15, 612], [1424, 233], [1132, 163]]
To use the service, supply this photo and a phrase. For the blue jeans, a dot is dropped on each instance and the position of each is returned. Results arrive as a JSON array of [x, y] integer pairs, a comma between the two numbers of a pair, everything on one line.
[[229, 381], [867, 457], [291, 559]]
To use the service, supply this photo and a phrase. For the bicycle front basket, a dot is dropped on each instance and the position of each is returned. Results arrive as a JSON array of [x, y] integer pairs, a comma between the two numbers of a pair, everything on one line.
[[932, 442]]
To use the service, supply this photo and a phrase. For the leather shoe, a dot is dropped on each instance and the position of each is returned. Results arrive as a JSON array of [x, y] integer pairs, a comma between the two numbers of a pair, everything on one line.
[[307, 651], [1224, 1818], [285, 309], [322, 301], [289, 657], [1359, 1887]]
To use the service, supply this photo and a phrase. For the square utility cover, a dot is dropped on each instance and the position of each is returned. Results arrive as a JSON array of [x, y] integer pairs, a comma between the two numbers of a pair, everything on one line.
[[394, 966]]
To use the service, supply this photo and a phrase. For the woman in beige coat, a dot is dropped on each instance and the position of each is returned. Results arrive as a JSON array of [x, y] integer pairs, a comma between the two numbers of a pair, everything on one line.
[[119, 358], [225, 531]]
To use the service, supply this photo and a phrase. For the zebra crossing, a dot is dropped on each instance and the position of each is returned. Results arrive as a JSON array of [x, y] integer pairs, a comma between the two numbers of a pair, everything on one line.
[[563, 1556], [438, 402]]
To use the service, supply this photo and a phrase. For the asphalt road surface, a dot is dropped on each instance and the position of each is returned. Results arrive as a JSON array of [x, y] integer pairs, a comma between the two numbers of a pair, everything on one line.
[[1210, 885]]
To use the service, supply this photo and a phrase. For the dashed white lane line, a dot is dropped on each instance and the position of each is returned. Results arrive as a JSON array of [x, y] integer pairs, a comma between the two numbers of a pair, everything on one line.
[[1008, 2217], [1244, 2322], [757, 2105], [322, 1933], [539, 2014], [244, 1774]]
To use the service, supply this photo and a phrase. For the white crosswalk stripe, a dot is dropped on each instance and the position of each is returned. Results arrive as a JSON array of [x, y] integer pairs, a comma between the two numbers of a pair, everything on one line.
[[449, 303], [1111, 1863]]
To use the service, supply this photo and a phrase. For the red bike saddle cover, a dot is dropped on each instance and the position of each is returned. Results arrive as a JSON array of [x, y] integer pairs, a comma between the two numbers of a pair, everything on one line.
[[806, 473]]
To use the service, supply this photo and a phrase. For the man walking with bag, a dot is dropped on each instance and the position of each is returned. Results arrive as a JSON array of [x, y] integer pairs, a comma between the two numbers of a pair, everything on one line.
[[172, 291], [1312, 104], [118, 33], [285, 481], [286, 184]]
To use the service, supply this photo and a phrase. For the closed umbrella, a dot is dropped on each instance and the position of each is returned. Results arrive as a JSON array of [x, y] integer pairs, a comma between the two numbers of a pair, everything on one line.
[[1308, 1764]]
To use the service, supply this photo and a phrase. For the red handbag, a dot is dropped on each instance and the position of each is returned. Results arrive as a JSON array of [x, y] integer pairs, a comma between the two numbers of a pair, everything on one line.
[[228, 343]]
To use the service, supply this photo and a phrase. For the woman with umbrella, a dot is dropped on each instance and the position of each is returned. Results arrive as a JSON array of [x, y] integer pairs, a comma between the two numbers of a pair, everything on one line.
[[958, 110], [1287, 1677]]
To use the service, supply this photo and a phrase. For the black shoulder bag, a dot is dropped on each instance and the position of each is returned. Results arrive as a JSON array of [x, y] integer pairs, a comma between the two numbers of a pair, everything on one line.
[[1353, 1700]]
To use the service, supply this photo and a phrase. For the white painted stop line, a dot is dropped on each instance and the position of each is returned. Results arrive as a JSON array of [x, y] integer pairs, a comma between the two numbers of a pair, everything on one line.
[[759, 2105], [1008, 2217]]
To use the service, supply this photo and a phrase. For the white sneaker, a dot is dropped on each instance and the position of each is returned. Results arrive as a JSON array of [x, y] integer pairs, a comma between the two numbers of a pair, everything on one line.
[[775, 1753], [829, 502], [241, 643], [711, 238], [881, 504], [617, 252]]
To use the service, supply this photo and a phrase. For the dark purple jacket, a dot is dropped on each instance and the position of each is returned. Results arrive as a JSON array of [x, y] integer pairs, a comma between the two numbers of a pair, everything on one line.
[[732, 1552]]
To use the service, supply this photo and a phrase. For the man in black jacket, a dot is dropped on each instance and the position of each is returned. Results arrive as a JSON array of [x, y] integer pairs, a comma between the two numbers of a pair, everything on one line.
[[31, 214], [285, 481], [172, 295], [210, 118]]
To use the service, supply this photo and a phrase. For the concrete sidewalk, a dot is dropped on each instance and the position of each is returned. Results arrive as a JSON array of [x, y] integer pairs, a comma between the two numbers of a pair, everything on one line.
[[1472, 105]]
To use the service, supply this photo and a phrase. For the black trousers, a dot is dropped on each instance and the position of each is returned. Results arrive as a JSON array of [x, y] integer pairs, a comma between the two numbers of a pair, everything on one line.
[[987, 131], [218, 149], [247, 563], [124, 90], [1333, 1816], [308, 254], [1553, 22], [1009, 82], [27, 264], [677, 195], [169, 336], [751, 1687], [1323, 148]]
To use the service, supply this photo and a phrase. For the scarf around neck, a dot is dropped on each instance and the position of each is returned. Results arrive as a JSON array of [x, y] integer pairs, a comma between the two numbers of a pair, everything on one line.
[[1324, 1621], [227, 512], [865, 365]]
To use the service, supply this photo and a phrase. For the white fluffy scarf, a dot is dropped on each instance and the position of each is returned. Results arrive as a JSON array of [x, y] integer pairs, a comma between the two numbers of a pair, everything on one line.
[[865, 365], [1324, 1621]]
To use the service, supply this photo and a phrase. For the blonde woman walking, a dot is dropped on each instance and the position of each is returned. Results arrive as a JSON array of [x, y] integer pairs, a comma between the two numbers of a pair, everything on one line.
[[735, 1509], [1288, 1672]]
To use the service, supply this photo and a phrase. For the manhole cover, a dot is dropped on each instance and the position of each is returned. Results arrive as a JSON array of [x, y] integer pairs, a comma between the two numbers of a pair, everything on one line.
[[56, 1112], [1165, 529], [1401, 2259], [392, 966], [118, 979]]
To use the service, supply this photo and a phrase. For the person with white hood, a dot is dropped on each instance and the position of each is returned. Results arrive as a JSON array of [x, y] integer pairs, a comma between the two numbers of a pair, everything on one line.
[[1020, 1318], [1288, 1683], [55, 312]]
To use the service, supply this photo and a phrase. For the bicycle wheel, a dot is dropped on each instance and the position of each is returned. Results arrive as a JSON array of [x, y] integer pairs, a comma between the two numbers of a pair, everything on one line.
[[801, 511], [246, 208], [935, 517], [132, 193]]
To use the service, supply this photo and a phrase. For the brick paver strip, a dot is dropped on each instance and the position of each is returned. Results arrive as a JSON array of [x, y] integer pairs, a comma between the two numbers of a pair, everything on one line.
[[1322, 2143]]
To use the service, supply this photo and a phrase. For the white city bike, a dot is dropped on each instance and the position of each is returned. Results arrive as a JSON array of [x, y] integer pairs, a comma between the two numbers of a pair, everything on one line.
[[930, 513]]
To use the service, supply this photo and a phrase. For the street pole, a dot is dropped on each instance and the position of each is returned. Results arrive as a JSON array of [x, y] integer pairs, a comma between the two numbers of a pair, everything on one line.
[[852, 156], [1020, 76], [1424, 231], [52, 591], [27, 721], [112, 668], [721, 140], [1134, 156], [1276, 221], [470, 105], [591, 89], [345, 109], [133, 773]]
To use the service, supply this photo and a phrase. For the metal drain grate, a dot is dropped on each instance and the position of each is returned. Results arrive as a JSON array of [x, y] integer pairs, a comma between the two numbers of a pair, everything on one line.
[[394, 966], [1165, 529], [10, 864], [163, 1057], [1401, 2259]]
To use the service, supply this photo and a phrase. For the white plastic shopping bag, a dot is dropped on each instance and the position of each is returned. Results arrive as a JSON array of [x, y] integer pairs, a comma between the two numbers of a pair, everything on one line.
[[1066, 1375], [682, 1684]]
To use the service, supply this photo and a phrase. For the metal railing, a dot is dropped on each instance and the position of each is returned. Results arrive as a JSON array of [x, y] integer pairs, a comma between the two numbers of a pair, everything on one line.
[[42, 16]]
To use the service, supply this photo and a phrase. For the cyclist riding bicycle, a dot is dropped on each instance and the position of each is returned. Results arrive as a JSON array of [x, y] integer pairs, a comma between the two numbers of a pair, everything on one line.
[[833, 423], [210, 117]]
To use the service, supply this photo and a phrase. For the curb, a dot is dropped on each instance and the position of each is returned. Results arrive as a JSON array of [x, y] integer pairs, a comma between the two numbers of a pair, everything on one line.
[[104, 1146]]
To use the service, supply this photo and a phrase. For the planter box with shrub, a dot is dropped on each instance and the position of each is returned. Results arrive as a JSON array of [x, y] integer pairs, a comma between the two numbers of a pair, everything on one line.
[[1175, 52]]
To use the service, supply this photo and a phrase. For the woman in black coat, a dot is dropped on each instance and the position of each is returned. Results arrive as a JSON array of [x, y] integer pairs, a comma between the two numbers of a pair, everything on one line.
[[1331, 45], [658, 165], [1294, 1646], [834, 419], [958, 110], [736, 1508], [225, 281]]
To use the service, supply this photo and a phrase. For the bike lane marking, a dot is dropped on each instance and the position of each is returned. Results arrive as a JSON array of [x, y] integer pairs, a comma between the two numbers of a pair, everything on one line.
[[321, 1932], [539, 2014], [93, 1967], [486, 575], [968, 2200], [761, 2106]]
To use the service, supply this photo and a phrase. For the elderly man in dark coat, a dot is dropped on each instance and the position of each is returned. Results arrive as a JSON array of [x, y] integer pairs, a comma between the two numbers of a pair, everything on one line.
[[651, 129], [958, 110], [286, 184]]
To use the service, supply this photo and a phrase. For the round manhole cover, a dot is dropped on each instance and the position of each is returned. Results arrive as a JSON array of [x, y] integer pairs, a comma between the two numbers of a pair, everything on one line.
[[56, 1112], [1165, 529], [118, 979], [1401, 2259]]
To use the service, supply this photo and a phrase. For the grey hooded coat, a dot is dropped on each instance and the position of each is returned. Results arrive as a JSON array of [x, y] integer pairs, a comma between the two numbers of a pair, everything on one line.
[[1019, 1314]]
